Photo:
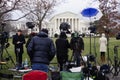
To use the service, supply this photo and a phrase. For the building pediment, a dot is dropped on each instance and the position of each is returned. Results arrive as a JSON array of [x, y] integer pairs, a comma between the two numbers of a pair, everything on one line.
[[65, 15]]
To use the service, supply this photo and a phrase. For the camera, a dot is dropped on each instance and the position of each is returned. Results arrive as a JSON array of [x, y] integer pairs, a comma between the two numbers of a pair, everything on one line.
[[92, 29], [30, 25], [65, 27], [118, 36], [3, 35], [4, 38]]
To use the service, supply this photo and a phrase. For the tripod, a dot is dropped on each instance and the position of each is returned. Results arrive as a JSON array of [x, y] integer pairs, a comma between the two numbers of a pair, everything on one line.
[[107, 33], [4, 47], [116, 66]]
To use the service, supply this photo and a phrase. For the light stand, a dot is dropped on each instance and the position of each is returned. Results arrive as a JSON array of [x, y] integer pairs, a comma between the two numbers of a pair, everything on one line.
[[4, 44], [4, 47], [116, 61], [92, 29], [2, 25]]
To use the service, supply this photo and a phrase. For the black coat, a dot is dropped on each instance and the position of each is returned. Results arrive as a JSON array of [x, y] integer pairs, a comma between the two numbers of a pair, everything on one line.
[[41, 48], [62, 46], [20, 38]]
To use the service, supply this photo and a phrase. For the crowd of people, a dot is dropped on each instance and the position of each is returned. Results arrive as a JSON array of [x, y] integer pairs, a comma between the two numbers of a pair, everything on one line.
[[41, 49]]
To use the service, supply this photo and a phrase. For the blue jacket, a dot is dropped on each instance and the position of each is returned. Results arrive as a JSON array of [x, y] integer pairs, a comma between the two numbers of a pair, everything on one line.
[[41, 48]]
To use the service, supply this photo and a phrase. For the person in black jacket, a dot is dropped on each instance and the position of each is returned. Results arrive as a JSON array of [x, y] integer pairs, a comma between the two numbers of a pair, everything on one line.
[[42, 50], [62, 46], [18, 41], [77, 45]]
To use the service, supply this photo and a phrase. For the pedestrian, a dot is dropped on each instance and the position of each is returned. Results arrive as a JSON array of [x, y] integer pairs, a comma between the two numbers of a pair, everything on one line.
[[62, 46], [103, 47], [18, 42], [42, 49], [77, 45]]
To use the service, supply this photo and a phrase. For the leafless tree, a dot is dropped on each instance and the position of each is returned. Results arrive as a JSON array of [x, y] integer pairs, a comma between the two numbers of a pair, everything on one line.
[[110, 17], [6, 7], [40, 9]]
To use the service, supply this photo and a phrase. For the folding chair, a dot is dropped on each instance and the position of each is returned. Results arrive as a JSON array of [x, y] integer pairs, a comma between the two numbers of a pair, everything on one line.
[[65, 75], [6, 76], [35, 75]]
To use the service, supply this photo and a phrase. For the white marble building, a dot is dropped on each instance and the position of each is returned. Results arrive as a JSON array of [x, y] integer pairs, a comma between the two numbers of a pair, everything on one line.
[[72, 19], [76, 24]]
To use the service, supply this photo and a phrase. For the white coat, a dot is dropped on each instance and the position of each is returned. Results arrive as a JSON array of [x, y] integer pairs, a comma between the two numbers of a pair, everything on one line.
[[103, 43]]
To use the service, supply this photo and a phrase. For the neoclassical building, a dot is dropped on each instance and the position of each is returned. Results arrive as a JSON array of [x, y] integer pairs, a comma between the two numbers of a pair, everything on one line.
[[74, 20], [76, 24]]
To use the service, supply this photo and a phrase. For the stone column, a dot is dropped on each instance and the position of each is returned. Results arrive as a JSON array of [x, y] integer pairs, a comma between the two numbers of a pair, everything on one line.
[[76, 24], [56, 23], [73, 25], [62, 20]]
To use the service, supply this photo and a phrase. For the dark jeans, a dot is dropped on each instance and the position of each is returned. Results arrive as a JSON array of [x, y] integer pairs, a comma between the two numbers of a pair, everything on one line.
[[76, 55], [40, 66], [62, 59], [18, 54]]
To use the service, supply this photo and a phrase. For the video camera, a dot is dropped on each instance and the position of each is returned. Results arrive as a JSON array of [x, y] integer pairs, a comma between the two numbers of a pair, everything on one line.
[[30, 25], [118, 36], [3, 35], [3, 38], [65, 27], [92, 29]]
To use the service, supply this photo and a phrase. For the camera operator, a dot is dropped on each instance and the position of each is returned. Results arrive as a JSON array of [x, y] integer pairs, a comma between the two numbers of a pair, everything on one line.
[[18, 41], [77, 45], [62, 45]]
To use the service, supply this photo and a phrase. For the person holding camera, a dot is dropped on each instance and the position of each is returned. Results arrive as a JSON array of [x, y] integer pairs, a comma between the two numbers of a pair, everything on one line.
[[62, 46], [18, 42], [77, 45]]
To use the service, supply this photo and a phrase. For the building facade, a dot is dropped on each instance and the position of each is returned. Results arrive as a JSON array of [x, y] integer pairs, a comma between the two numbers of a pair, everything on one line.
[[76, 24]]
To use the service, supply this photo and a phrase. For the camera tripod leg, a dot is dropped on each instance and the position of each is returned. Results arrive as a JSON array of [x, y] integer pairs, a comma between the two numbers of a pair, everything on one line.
[[116, 62], [81, 59], [10, 57], [117, 69]]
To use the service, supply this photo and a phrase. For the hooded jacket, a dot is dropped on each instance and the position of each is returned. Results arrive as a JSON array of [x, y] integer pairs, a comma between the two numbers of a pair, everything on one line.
[[41, 48]]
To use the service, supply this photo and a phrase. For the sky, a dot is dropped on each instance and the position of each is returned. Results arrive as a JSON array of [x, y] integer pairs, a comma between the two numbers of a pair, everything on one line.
[[75, 6]]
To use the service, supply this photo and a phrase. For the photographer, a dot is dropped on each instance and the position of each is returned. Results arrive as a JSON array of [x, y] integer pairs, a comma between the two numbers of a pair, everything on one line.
[[18, 41], [62, 45], [77, 45]]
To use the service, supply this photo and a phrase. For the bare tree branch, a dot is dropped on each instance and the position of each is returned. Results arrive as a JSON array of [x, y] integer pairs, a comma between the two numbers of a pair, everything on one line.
[[18, 18], [40, 9], [12, 8]]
